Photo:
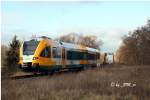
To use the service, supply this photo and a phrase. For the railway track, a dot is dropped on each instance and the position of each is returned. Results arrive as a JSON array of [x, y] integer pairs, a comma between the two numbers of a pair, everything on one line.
[[22, 75]]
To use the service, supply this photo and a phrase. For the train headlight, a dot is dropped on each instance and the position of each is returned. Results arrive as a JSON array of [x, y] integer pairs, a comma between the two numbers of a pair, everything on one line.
[[35, 58]]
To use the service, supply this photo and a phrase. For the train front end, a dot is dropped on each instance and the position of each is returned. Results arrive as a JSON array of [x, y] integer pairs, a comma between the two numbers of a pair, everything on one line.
[[27, 51]]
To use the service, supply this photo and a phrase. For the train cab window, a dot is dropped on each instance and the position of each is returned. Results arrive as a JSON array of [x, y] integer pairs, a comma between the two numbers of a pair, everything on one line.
[[46, 52], [29, 47], [56, 52]]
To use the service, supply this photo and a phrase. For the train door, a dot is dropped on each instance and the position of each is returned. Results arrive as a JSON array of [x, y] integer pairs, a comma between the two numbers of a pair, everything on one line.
[[63, 60], [98, 59], [44, 58], [56, 51]]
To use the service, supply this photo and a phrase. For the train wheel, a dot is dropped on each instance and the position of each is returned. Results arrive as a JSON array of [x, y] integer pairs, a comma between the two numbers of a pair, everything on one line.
[[51, 72], [85, 67]]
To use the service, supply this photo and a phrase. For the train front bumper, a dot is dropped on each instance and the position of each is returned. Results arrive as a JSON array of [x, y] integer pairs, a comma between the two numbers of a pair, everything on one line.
[[26, 65]]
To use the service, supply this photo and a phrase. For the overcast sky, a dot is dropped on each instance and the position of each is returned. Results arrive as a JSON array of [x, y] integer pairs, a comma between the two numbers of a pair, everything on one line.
[[109, 21]]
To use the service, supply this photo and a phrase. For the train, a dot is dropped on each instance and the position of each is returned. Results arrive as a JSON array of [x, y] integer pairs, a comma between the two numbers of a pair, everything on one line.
[[44, 54]]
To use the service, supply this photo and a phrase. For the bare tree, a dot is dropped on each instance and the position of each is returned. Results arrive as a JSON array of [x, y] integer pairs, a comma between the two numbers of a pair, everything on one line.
[[70, 38], [89, 40]]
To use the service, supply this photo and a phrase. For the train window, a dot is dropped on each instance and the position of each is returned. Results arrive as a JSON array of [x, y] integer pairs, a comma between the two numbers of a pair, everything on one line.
[[81, 55], [46, 52], [56, 52], [76, 55], [69, 55], [85, 56], [72, 55], [29, 47], [91, 56]]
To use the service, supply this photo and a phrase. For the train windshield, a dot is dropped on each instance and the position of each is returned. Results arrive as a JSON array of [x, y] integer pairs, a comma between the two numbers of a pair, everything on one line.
[[29, 47]]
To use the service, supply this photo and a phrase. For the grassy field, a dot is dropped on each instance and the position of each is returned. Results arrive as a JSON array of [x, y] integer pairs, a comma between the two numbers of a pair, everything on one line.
[[90, 84]]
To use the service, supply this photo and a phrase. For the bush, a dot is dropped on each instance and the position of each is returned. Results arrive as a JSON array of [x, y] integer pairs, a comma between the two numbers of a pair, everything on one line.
[[12, 55]]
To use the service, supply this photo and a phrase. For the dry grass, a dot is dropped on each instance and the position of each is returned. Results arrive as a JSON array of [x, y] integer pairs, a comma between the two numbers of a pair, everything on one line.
[[90, 84]]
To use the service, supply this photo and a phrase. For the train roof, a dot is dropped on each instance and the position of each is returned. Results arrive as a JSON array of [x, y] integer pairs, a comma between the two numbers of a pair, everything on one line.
[[76, 46], [67, 45], [92, 49]]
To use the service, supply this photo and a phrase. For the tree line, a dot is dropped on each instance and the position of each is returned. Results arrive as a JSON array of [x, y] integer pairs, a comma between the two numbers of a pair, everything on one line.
[[87, 40], [135, 48]]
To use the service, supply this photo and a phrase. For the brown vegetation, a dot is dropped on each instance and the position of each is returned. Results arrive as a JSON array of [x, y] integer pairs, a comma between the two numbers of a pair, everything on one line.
[[4, 48], [136, 47], [91, 84]]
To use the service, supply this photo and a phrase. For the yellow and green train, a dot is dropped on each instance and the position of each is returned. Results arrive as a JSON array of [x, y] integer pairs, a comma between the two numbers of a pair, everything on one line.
[[45, 54]]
